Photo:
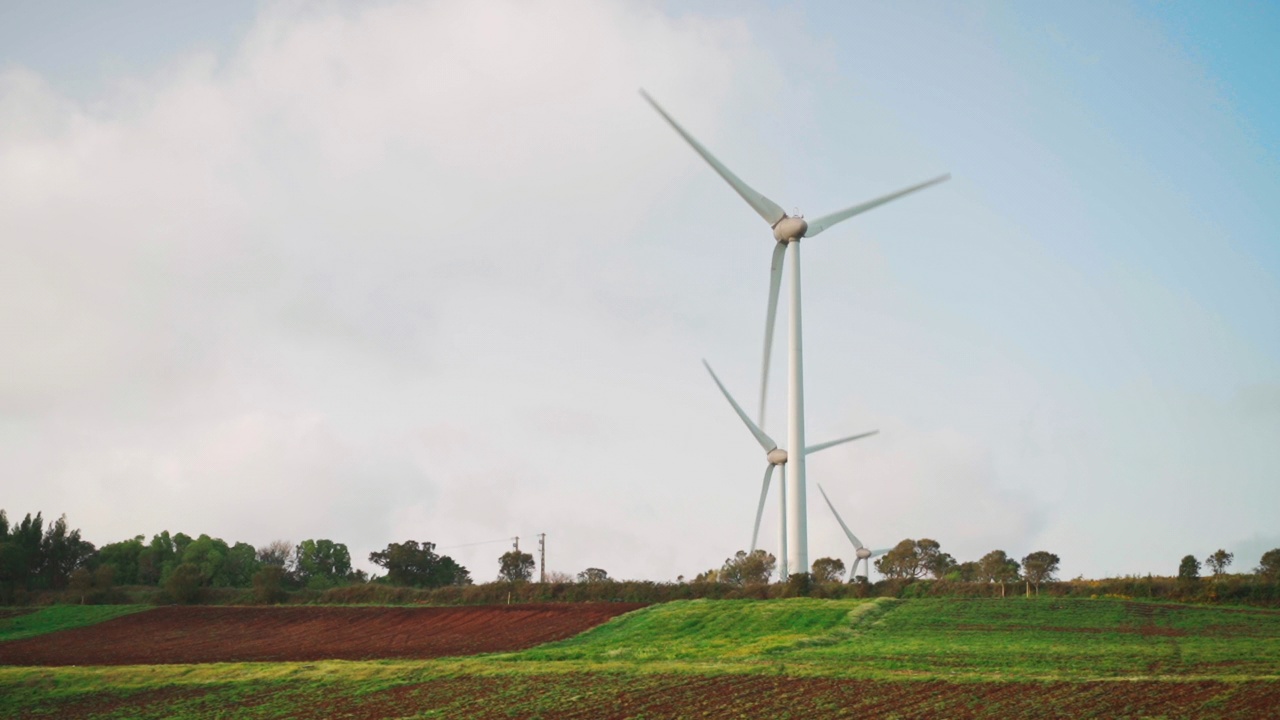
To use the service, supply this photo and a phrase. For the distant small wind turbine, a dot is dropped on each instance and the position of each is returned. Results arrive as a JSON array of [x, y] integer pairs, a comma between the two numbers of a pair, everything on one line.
[[861, 553], [775, 456], [787, 232]]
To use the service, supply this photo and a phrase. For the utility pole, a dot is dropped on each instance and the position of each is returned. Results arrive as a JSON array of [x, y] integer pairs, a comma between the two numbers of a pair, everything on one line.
[[542, 562], [516, 543]]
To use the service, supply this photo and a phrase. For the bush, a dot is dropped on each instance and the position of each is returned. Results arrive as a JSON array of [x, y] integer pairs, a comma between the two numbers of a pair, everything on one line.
[[375, 594], [184, 584], [268, 585], [798, 585]]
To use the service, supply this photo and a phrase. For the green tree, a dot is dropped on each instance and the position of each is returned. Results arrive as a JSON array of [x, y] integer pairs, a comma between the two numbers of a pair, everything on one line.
[[61, 552], [748, 568], [996, 566], [322, 564], [1039, 567], [1219, 561], [515, 566], [415, 564], [156, 558], [828, 570], [932, 560], [210, 555], [19, 555], [914, 559], [33, 556], [124, 556], [241, 565], [968, 571], [902, 561], [593, 575], [1189, 569], [184, 582], [1269, 567]]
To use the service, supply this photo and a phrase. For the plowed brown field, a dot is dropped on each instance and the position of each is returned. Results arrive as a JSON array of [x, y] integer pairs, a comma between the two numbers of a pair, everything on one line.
[[275, 634], [612, 697]]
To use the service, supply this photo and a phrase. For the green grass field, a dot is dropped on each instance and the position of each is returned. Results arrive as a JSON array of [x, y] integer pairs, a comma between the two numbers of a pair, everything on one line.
[[1014, 657], [1046, 639], [59, 617]]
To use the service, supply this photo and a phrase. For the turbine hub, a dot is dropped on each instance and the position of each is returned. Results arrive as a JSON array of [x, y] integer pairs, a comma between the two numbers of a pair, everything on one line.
[[777, 456], [790, 229], [863, 553]]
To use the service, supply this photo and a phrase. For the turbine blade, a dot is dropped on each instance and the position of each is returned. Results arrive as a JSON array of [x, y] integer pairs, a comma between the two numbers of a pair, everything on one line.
[[832, 443], [765, 441], [764, 493], [878, 553], [767, 208], [771, 314], [827, 221], [857, 544]]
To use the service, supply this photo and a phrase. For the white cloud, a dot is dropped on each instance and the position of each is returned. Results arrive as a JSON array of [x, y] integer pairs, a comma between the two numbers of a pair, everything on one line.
[[377, 274]]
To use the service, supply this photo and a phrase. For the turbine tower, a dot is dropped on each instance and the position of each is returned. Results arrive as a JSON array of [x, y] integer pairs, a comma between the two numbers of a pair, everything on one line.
[[776, 457], [787, 233]]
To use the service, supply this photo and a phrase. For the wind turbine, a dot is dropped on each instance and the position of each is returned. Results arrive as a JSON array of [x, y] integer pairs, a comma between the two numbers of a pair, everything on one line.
[[787, 232], [776, 457], [861, 553]]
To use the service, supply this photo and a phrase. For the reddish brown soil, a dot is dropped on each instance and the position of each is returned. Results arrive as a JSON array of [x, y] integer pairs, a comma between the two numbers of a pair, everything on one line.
[[275, 634], [605, 697], [611, 697]]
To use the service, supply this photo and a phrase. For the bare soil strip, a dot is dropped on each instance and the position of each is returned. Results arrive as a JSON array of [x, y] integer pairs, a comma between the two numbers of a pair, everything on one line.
[[610, 697], [278, 634]]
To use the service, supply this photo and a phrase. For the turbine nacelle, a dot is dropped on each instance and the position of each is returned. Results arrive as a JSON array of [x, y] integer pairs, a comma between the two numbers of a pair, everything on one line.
[[863, 553], [777, 456], [789, 229]]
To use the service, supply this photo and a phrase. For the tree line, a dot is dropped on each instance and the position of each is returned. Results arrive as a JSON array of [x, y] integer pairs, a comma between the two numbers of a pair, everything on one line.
[[39, 557], [36, 558], [923, 559], [908, 560]]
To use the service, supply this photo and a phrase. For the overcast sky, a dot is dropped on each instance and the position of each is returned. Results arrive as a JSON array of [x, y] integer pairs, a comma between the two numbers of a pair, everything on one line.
[[434, 271]]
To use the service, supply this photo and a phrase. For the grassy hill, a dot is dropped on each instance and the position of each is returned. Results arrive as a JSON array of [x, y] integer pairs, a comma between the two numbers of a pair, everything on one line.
[[1056, 638]]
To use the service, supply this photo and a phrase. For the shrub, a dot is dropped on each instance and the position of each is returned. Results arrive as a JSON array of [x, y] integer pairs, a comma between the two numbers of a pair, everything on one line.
[[184, 583], [268, 585], [799, 585]]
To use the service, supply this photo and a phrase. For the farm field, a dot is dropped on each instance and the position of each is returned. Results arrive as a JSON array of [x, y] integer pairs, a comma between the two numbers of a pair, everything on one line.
[[801, 658], [16, 624], [230, 634]]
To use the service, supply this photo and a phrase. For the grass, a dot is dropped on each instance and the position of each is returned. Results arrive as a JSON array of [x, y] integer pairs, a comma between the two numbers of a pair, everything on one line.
[[722, 630], [931, 645], [982, 638], [60, 617]]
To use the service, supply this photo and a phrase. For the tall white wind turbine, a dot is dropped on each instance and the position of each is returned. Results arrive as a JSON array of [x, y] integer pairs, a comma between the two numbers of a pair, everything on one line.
[[861, 553], [776, 457], [787, 233]]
